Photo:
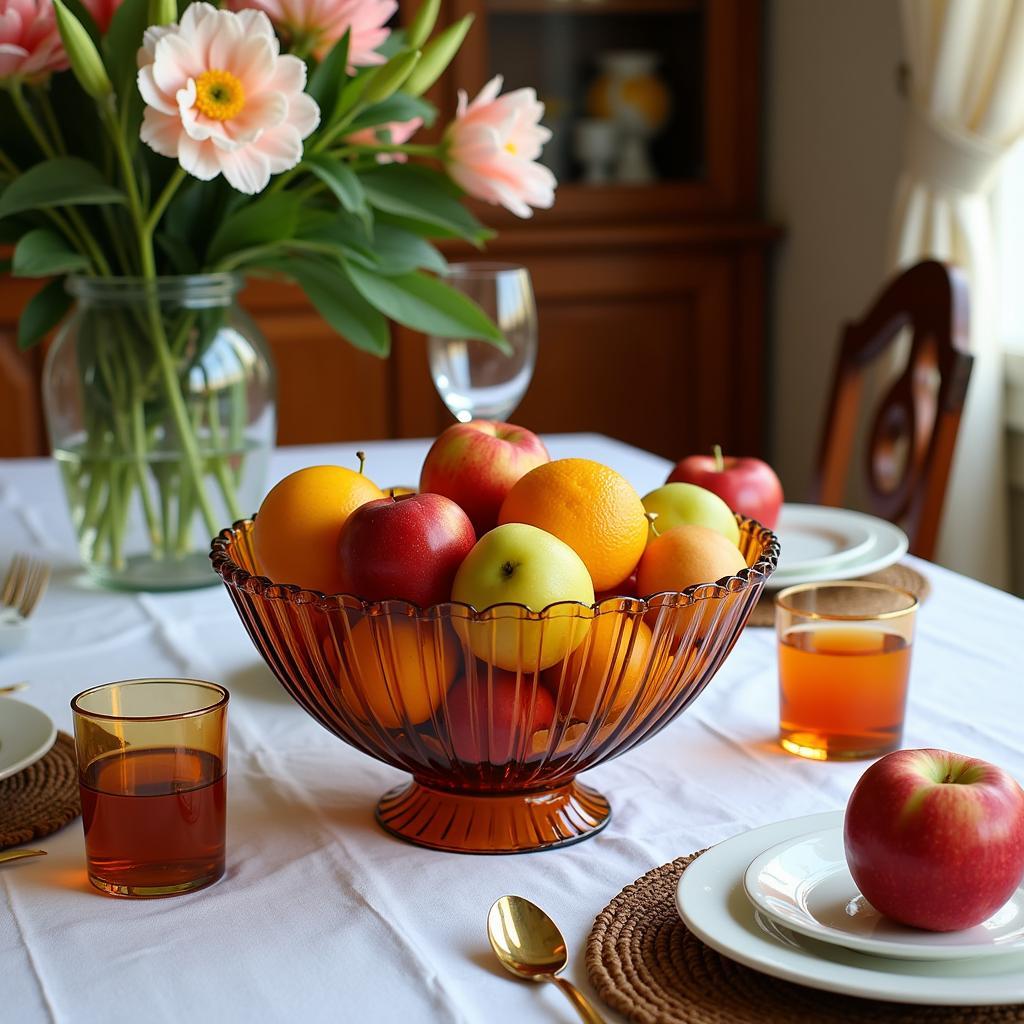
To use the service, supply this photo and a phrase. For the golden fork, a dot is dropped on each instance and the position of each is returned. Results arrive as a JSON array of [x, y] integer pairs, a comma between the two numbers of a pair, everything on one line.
[[9, 855], [24, 584]]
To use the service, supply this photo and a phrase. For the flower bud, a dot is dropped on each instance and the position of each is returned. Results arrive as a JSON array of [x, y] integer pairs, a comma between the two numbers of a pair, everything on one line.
[[423, 24], [82, 54], [389, 78], [437, 55]]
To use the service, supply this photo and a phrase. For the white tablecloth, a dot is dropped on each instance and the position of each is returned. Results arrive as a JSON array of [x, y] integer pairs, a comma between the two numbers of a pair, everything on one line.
[[321, 915]]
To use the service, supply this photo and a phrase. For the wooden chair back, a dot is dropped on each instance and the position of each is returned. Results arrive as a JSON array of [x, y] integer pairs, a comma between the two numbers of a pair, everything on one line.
[[910, 443]]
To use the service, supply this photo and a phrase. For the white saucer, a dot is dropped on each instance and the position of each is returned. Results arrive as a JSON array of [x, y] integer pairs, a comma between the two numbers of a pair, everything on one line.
[[714, 906], [26, 734], [805, 885], [805, 530]]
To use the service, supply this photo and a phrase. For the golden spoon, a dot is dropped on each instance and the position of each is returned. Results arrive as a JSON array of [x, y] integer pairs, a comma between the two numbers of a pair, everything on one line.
[[529, 945], [6, 855]]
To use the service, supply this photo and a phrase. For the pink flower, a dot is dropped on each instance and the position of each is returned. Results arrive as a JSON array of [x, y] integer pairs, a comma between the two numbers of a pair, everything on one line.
[[492, 145], [30, 45], [102, 11], [316, 25], [222, 99], [394, 133]]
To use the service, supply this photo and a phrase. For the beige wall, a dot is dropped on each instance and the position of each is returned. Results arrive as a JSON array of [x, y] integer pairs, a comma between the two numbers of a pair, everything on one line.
[[832, 148]]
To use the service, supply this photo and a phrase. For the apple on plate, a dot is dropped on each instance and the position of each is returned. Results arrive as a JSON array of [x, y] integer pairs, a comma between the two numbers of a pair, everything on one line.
[[934, 839], [476, 463], [407, 547], [747, 485], [517, 564], [679, 504], [493, 714]]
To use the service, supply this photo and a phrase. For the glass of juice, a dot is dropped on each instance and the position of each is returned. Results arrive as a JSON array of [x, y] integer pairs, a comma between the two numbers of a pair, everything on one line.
[[152, 770], [844, 666]]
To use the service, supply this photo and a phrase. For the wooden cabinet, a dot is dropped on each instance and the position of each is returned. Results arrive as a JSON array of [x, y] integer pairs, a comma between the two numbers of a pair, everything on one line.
[[650, 297]]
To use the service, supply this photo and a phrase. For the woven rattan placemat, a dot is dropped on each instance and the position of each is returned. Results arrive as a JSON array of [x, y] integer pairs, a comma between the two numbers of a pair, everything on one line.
[[42, 798], [646, 964], [896, 576]]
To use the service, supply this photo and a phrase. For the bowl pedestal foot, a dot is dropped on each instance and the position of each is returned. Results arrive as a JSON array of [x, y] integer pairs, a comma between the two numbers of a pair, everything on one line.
[[505, 822]]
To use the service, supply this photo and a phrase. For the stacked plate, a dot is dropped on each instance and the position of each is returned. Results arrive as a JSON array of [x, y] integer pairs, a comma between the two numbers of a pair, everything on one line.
[[781, 900], [26, 734], [823, 543]]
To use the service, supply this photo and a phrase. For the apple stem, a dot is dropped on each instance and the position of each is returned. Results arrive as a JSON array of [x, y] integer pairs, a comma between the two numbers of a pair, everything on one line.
[[650, 517], [716, 451], [361, 456]]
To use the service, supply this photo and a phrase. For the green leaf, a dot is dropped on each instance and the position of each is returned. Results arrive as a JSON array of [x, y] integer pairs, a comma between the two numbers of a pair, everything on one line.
[[329, 78], [339, 229], [269, 219], [42, 313], [398, 107], [411, 191], [120, 49], [338, 303], [344, 183], [399, 252], [65, 181], [43, 253], [424, 304]]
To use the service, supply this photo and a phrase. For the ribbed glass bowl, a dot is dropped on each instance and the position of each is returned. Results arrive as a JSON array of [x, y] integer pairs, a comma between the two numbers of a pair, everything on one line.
[[380, 676]]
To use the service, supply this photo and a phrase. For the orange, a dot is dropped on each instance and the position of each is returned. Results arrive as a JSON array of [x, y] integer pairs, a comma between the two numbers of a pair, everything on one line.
[[395, 671], [588, 506], [604, 673], [297, 528], [686, 555]]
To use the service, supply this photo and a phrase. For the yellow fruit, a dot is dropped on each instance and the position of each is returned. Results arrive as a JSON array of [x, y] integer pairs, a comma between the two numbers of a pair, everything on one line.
[[396, 668], [603, 674], [588, 506], [296, 531], [686, 555]]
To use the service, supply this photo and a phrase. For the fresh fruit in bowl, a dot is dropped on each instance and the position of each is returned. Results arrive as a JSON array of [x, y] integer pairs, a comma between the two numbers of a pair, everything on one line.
[[605, 672], [935, 840], [493, 715], [518, 564], [748, 486], [477, 463], [299, 523], [685, 556], [407, 547], [405, 688], [680, 504], [588, 506]]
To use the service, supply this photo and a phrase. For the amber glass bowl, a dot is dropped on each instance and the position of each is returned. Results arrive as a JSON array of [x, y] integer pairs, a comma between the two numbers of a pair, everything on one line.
[[416, 688]]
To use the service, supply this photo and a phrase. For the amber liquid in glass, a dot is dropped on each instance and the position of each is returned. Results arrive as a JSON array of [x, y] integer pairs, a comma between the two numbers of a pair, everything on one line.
[[842, 690], [154, 821]]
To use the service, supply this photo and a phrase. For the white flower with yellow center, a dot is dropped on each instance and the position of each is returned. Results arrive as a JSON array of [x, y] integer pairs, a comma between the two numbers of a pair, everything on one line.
[[222, 99]]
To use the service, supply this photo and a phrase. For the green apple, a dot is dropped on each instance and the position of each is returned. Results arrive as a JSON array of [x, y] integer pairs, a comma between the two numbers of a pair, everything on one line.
[[520, 565], [689, 505]]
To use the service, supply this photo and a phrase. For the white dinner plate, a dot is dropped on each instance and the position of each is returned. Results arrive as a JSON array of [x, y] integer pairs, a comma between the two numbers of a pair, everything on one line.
[[714, 906], [805, 885], [26, 734], [816, 537], [887, 544]]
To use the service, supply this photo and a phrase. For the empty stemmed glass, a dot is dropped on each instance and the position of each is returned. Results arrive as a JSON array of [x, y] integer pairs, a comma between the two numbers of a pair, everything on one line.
[[476, 379]]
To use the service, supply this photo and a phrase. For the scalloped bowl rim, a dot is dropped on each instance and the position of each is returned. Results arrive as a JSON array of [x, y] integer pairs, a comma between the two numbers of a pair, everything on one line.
[[234, 575]]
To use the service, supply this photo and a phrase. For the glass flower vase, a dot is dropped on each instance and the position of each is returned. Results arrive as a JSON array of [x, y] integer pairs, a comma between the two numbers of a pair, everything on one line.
[[160, 404]]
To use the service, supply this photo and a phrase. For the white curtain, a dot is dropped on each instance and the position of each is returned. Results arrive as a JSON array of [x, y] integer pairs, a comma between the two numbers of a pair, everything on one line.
[[966, 62]]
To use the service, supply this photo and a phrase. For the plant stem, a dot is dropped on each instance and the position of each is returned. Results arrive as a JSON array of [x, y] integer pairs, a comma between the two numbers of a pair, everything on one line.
[[164, 198], [413, 149], [51, 120]]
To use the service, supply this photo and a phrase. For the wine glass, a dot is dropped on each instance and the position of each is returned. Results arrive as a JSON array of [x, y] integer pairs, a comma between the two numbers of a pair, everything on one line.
[[476, 379]]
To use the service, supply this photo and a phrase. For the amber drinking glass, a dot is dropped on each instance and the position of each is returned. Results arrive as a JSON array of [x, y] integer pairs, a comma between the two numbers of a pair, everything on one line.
[[844, 666], [152, 760], [493, 751]]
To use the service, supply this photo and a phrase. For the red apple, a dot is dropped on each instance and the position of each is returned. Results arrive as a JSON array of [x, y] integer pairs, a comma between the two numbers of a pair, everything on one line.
[[935, 840], [407, 547], [476, 463], [496, 729], [748, 486]]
